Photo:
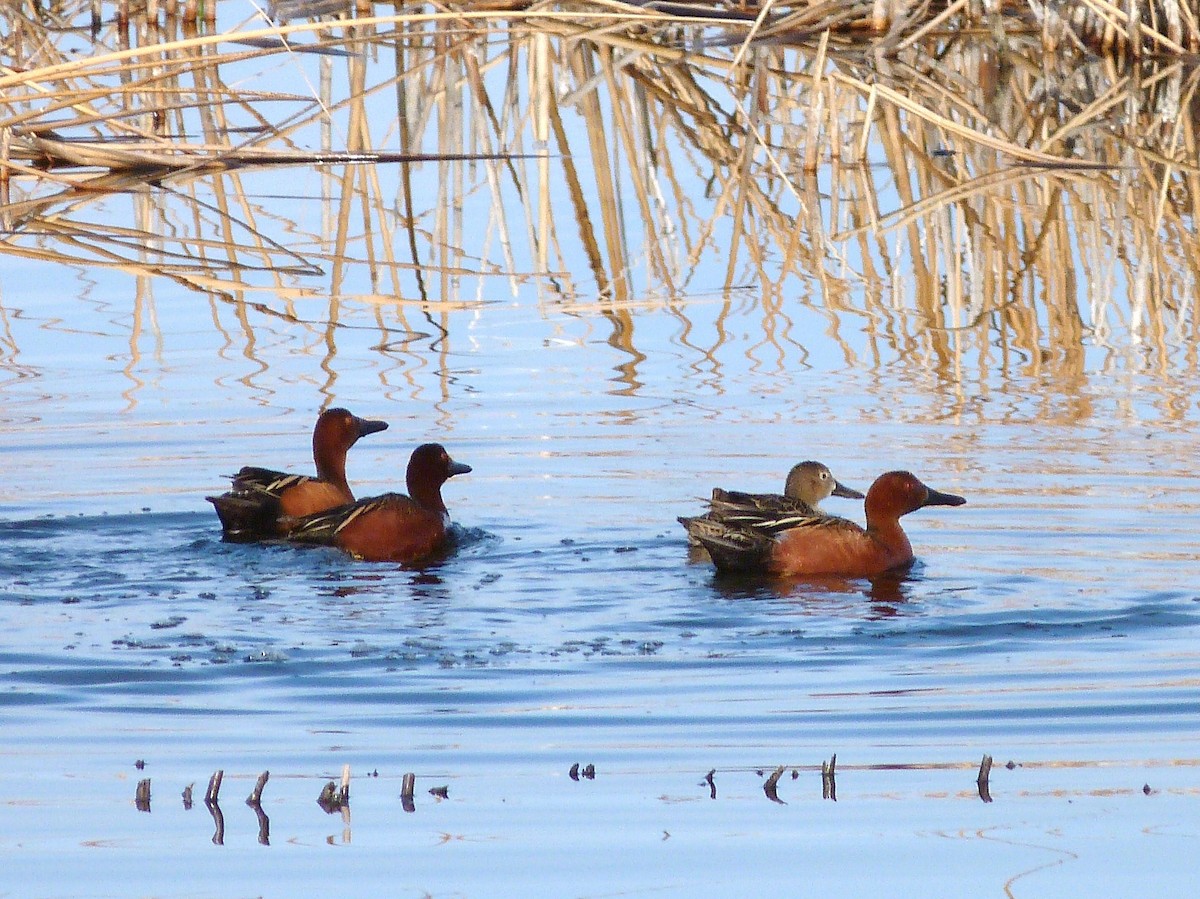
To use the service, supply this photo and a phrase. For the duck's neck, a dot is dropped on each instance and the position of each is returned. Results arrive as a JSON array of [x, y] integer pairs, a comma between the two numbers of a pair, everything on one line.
[[888, 534], [331, 467], [428, 496]]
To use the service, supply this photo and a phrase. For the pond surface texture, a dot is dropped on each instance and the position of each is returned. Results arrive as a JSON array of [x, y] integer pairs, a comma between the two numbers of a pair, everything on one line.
[[1052, 623]]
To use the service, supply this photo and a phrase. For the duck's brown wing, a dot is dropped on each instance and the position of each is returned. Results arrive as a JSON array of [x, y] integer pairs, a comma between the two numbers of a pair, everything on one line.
[[769, 513], [323, 527], [388, 528], [267, 480]]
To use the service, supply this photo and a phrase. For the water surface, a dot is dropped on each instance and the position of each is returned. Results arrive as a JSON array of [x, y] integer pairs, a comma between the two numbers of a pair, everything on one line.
[[1052, 623]]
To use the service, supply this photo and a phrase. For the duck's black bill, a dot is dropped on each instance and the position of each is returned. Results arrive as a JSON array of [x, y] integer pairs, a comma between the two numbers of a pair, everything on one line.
[[370, 426], [840, 489], [937, 498]]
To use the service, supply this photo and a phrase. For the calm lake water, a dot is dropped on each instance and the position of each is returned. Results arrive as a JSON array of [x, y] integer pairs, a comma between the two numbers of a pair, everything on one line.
[[1052, 623]]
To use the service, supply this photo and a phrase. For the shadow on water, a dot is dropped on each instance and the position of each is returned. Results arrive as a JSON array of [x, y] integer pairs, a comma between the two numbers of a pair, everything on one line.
[[885, 595]]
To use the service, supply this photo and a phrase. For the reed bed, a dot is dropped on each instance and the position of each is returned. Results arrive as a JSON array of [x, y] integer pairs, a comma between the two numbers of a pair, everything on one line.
[[929, 168]]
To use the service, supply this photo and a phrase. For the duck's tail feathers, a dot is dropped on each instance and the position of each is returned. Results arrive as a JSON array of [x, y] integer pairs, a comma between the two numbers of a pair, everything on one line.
[[693, 526], [732, 548], [247, 516]]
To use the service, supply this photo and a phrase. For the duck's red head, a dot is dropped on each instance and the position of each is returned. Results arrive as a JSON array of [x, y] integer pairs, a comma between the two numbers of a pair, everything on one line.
[[338, 430], [897, 493], [429, 468]]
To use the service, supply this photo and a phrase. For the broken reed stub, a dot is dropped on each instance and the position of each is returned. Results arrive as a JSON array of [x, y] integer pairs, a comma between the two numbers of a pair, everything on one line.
[[142, 795], [771, 787], [407, 786], [214, 787], [985, 771], [829, 778], [256, 794]]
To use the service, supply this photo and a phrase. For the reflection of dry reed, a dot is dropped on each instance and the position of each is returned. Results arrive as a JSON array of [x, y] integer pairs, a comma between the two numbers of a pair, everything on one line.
[[775, 146]]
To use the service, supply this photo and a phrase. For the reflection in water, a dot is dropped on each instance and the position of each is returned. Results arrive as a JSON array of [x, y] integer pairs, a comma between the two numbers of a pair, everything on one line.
[[264, 823], [817, 595], [212, 803], [622, 339], [972, 240]]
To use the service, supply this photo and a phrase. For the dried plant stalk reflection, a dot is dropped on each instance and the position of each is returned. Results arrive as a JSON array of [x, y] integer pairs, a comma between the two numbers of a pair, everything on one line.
[[948, 190]]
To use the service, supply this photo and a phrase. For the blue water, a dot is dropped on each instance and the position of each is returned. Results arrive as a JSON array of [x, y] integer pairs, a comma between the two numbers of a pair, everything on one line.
[[1052, 623]]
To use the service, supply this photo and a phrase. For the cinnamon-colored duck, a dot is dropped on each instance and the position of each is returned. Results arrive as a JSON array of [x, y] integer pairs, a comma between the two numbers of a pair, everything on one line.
[[392, 527], [824, 544], [262, 500], [807, 485]]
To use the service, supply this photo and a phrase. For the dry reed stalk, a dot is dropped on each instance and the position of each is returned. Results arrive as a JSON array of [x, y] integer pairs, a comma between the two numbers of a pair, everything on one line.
[[581, 60], [1124, 27], [899, 101], [541, 99], [130, 57], [636, 155], [482, 135], [938, 21], [400, 57], [587, 237], [751, 34], [953, 209]]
